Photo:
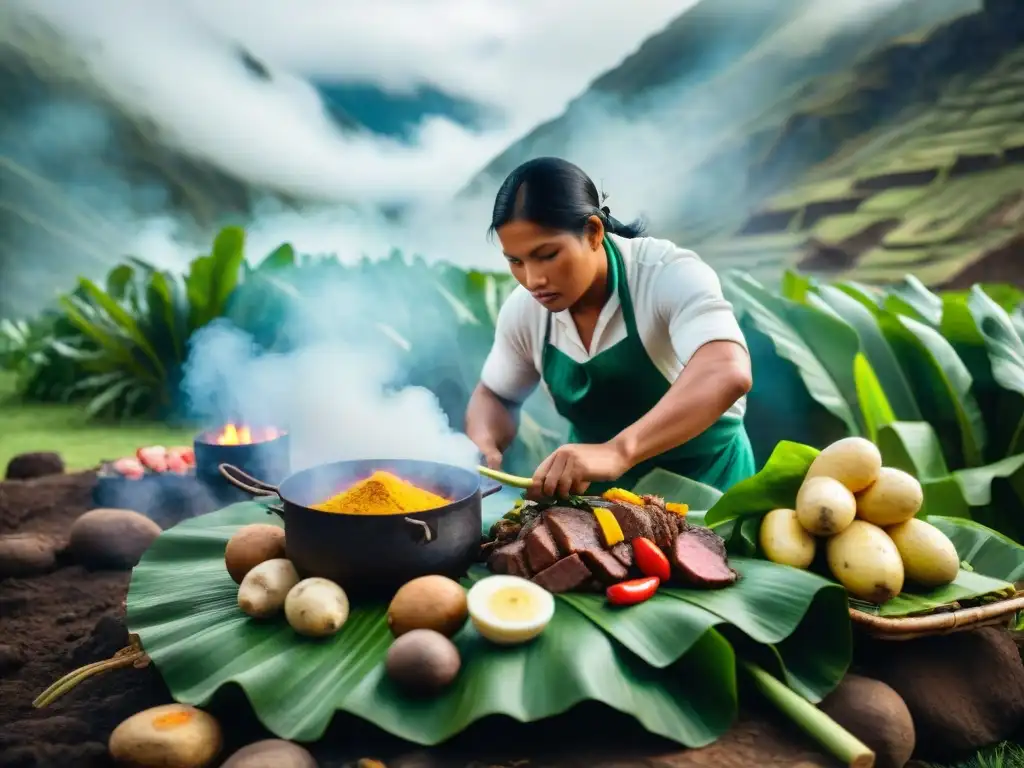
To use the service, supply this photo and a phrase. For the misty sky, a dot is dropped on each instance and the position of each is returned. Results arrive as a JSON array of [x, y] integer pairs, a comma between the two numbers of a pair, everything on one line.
[[173, 63]]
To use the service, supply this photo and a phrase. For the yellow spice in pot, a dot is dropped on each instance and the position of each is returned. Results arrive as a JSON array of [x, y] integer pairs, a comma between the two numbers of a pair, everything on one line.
[[382, 493]]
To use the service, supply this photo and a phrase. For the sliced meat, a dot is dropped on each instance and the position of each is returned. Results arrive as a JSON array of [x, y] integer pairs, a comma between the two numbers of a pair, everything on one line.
[[654, 501], [699, 562], [541, 550], [623, 552], [567, 574], [528, 525], [573, 530], [709, 537], [663, 530], [510, 559], [633, 520], [604, 565]]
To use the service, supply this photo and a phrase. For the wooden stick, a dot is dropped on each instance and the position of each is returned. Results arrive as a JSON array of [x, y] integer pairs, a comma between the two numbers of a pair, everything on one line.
[[939, 623]]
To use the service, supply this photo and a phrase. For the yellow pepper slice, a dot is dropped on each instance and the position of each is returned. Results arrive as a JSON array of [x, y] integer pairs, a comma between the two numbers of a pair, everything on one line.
[[678, 509], [610, 528], [622, 495]]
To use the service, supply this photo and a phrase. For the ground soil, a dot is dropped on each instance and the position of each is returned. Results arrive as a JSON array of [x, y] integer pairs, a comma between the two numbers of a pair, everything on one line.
[[61, 620]]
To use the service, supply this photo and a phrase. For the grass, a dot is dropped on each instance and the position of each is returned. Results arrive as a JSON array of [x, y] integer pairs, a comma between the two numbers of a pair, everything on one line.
[[62, 428], [1006, 755]]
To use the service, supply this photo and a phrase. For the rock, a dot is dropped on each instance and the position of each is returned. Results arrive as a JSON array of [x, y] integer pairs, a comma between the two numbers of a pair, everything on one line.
[[875, 714], [111, 538], [271, 753], [28, 466], [964, 691], [11, 660], [26, 554]]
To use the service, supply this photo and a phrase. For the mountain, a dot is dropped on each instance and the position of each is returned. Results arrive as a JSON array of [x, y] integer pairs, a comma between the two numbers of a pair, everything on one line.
[[886, 147]]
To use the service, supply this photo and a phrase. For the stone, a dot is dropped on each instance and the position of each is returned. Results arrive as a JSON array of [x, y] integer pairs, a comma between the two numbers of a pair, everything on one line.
[[11, 660], [271, 753], [875, 714], [26, 554], [964, 691], [113, 539], [29, 466]]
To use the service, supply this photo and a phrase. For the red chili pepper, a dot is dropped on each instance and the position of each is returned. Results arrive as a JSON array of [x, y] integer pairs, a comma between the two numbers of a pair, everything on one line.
[[633, 591], [650, 559]]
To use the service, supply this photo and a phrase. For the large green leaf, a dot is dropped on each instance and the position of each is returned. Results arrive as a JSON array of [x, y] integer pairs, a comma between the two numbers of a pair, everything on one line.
[[776, 486], [985, 339], [776, 318], [876, 349], [988, 552], [942, 387], [668, 662]]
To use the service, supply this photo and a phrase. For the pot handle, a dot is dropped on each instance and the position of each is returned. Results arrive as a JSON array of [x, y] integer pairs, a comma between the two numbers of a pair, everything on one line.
[[246, 482], [489, 487], [422, 532]]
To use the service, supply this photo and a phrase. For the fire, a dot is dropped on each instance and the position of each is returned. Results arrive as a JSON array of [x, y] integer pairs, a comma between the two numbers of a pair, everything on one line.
[[240, 434]]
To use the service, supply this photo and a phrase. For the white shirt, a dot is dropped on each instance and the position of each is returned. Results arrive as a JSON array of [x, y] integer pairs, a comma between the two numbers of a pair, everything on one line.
[[677, 301]]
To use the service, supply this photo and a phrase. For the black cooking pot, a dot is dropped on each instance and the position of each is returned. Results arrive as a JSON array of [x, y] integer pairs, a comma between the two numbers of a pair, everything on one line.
[[373, 555]]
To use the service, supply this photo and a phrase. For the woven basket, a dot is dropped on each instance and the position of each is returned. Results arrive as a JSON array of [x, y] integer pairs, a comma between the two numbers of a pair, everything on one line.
[[948, 622]]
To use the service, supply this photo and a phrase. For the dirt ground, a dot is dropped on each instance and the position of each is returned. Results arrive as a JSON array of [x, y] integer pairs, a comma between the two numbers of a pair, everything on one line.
[[69, 617]]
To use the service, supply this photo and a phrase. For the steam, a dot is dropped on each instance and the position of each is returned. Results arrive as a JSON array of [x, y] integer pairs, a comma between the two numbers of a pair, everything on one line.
[[338, 400]]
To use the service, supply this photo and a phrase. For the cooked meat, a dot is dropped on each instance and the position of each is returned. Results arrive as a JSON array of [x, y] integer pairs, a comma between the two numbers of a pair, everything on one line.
[[567, 574], [699, 561], [528, 525], [633, 520], [541, 550], [573, 530], [505, 531], [510, 559], [623, 553], [604, 565], [654, 501], [708, 537], [665, 528]]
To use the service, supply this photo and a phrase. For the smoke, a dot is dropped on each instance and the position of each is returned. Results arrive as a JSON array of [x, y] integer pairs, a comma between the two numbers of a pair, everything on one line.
[[337, 399]]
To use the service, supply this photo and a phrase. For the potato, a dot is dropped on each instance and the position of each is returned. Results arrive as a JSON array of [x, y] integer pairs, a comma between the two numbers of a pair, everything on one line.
[[429, 602], [929, 557], [316, 607], [865, 560], [252, 545], [265, 588], [271, 753], [825, 506], [785, 541], [893, 498], [168, 736], [853, 461]]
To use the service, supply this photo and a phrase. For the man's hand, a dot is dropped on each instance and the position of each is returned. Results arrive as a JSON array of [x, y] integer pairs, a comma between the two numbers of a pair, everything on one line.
[[572, 468]]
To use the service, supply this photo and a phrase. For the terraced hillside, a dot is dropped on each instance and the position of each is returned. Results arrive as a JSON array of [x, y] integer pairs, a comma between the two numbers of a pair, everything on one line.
[[861, 151], [939, 192]]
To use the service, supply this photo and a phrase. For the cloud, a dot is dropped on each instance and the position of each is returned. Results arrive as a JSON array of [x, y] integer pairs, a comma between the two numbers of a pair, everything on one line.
[[175, 65]]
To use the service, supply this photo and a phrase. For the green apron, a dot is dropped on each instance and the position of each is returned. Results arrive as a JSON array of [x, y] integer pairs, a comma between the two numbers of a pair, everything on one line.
[[615, 388]]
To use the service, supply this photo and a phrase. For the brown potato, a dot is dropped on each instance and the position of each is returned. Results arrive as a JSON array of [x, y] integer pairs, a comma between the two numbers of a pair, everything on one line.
[[168, 736], [252, 545]]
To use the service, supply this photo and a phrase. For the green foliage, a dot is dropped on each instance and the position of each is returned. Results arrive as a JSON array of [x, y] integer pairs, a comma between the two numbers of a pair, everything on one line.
[[119, 348], [937, 380]]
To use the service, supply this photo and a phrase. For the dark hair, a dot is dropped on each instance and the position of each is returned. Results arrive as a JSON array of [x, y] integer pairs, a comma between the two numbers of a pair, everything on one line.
[[556, 194]]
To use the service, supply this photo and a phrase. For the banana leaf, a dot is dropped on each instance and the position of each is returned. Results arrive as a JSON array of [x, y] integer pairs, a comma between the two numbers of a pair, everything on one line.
[[776, 486], [983, 335], [669, 662]]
